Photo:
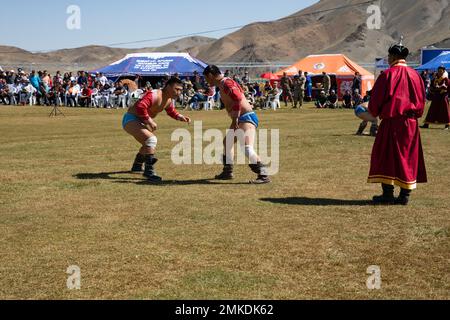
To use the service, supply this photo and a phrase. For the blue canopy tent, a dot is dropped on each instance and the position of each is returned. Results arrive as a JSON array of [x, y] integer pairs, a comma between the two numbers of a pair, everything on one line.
[[155, 64], [441, 60]]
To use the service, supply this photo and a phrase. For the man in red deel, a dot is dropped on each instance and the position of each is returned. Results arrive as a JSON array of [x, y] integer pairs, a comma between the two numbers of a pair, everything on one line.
[[398, 98]]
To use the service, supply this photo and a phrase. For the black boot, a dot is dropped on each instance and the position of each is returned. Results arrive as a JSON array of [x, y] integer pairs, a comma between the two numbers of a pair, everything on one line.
[[387, 197], [447, 127], [361, 129], [425, 126], [374, 129], [138, 165], [403, 199], [227, 173], [261, 171], [149, 172]]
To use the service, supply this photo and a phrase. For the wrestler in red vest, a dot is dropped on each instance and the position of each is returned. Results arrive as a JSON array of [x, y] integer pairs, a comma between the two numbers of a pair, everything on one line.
[[139, 122], [242, 118]]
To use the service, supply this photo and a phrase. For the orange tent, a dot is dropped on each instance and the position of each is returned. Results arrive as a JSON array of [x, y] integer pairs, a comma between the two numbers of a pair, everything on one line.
[[334, 64]]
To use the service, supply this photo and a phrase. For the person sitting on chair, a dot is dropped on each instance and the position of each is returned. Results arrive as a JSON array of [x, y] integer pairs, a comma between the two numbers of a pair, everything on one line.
[[198, 97], [188, 93], [272, 94], [267, 88], [85, 97], [72, 94], [121, 94]]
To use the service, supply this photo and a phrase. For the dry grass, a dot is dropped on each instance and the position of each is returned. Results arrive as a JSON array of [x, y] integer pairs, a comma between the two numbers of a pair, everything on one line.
[[199, 240]]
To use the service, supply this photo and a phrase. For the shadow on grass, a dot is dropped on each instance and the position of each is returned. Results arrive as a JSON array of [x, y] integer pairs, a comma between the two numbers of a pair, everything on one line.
[[105, 176], [303, 201], [139, 180], [353, 135], [441, 128]]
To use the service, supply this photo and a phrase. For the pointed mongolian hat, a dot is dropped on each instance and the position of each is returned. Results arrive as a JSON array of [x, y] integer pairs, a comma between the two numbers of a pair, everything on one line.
[[399, 49]]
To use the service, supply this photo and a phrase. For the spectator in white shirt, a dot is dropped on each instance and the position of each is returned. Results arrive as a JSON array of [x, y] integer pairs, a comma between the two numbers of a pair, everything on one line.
[[102, 79], [26, 93], [72, 94]]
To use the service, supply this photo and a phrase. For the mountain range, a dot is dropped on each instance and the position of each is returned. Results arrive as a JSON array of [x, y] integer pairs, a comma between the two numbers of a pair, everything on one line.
[[329, 26]]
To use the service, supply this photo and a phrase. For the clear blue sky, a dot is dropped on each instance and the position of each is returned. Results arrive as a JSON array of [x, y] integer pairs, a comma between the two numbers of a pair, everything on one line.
[[42, 24]]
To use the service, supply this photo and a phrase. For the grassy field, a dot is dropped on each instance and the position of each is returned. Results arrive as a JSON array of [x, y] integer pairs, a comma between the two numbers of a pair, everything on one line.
[[65, 200]]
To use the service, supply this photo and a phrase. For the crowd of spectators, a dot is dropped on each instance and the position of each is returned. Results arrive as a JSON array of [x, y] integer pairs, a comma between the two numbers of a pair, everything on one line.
[[80, 90], [259, 94], [97, 91], [301, 87]]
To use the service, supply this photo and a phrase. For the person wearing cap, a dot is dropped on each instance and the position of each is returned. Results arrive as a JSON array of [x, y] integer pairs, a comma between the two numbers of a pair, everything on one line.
[[332, 100], [398, 99], [326, 83], [286, 85], [439, 112], [299, 90], [321, 101], [26, 93]]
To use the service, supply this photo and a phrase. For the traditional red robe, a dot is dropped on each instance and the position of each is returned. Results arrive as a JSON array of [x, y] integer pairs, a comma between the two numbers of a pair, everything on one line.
[[439, 110], [398, 98]]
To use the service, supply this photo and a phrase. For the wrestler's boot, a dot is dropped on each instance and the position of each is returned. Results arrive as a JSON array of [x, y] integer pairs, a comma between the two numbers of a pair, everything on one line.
[[149, 172], [387, 197], [227, 173], [403, 199], [374, 129], [261, 171], [138, 165], [361, 129]]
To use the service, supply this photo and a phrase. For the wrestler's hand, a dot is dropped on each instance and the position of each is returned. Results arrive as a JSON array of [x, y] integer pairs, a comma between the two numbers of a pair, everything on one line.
[[152, 125], [235, 124], [184, 119]]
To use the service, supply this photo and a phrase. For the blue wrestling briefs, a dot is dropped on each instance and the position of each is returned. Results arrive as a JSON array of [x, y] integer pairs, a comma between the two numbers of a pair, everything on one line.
[[250, 117], [359, 110], [128, 117]]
